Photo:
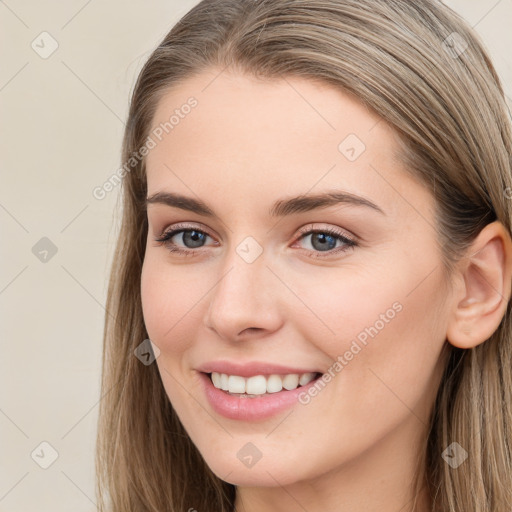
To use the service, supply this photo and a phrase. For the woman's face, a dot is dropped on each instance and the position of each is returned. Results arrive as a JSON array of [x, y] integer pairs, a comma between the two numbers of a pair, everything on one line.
[[350, 288]]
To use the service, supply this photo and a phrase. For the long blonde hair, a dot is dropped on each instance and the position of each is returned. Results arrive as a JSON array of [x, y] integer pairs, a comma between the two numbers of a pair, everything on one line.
[[424, 70]]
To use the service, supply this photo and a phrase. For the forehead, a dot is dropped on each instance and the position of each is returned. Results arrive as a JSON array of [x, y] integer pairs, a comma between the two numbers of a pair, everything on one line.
[[278, 137], [254, 111]]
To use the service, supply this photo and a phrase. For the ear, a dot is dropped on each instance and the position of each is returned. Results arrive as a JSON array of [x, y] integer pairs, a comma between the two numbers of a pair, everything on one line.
[[483, 287]]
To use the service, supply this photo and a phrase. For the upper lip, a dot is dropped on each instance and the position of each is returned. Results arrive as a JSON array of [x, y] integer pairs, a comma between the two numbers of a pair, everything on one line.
[[251, 368]]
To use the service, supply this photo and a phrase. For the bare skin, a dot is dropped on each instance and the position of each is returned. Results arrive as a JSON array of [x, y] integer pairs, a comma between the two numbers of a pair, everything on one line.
[[248, 143]]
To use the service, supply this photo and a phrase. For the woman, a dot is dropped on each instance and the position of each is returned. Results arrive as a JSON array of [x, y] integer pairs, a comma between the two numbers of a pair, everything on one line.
[[316, 240]]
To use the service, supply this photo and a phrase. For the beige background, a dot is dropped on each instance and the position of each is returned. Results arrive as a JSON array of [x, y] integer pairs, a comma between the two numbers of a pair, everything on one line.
[[62, 121]]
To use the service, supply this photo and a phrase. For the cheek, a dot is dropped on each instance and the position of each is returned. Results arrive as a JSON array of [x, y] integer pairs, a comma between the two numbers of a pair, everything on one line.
[[351, 306], [171, 303], [390, 307], [385, 333]]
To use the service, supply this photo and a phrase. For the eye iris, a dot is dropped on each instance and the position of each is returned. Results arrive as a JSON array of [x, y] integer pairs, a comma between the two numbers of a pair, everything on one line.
[[321, 238], [195, 238]]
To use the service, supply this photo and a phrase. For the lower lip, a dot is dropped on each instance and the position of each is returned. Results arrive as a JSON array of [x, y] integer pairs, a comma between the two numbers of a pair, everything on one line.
[[251, 409]]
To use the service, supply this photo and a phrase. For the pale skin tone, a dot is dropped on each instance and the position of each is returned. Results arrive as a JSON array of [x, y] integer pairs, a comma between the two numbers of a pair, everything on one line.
[[247, 144]]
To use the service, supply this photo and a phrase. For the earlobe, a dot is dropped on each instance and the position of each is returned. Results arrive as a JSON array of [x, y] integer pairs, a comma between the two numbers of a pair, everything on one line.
[[484, 286]]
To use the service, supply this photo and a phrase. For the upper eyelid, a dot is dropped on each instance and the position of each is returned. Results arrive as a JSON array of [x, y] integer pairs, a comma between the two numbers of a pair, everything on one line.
[[184, 227]]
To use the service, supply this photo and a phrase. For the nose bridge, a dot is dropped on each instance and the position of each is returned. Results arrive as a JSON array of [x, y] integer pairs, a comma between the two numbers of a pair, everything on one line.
[[242, 299]]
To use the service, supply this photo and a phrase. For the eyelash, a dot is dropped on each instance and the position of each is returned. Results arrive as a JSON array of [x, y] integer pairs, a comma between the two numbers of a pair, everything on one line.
[[166, 236]]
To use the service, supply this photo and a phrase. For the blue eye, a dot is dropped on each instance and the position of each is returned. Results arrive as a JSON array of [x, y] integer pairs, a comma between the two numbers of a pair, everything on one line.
[[323, 241], [191, 238]]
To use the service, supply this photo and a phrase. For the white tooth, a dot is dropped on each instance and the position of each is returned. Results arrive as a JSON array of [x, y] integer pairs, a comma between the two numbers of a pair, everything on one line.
[[305, 378], [274, 384], [236, 384], [259, 384], [256, 385], [223, 382], [291, 381], [216, 379]]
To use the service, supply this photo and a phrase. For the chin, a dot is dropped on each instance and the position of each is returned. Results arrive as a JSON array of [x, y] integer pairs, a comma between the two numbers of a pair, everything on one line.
[[261, 474]]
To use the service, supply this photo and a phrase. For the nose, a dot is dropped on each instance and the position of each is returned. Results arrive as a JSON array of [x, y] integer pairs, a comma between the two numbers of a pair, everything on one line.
[[245, 301]]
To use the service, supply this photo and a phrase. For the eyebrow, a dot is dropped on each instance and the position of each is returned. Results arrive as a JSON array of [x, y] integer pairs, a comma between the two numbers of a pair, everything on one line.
[[280, 208]]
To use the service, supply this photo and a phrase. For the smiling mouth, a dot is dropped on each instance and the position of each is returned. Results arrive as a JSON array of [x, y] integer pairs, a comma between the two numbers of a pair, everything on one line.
[[260, 385]]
